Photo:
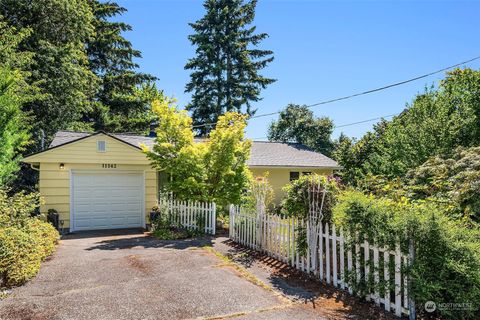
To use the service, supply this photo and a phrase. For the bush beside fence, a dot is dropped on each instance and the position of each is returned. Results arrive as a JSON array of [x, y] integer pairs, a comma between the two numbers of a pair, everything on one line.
[[192, 215], [337, 260]]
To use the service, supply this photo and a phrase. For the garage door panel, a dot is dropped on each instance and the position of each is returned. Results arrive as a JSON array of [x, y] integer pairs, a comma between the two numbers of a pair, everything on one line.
[[107, 200]]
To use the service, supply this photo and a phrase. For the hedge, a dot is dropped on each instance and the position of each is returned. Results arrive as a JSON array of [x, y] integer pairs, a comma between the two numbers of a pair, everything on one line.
[[446, 268]]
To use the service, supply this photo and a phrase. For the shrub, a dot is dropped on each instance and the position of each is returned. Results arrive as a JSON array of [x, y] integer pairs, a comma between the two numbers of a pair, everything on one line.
[[259, 189], [16, 210], [19, 256], [446, 268], [296, 202], [22, 250], [164, 228], [46, 236], [25, 241]]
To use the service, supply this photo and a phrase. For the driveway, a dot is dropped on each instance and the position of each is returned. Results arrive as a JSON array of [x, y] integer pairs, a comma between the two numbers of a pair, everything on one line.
[[133, 276]]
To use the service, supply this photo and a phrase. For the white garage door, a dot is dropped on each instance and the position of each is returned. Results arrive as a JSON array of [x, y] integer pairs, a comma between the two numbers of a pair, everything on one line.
[[107, 200]]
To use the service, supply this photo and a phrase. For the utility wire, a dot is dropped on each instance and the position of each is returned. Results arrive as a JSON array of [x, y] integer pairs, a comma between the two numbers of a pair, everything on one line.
[[359, 93], [350, 124]]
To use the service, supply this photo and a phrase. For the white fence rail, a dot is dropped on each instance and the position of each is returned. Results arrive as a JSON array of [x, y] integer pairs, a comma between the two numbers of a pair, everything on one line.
[[191, 214], [334, 260]]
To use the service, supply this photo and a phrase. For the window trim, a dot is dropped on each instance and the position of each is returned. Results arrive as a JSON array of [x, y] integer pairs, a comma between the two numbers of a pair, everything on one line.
[[104, 144]]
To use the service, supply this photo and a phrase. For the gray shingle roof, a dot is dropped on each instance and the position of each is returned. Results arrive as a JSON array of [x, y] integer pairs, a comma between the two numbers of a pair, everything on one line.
[[263, 154]]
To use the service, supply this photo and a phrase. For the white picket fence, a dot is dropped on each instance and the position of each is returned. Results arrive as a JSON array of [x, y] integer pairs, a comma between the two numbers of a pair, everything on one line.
[[333, 259], [191, 214]]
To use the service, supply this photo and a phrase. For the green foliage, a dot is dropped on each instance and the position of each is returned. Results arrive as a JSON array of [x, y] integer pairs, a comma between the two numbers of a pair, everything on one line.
[[452, 180], [59, 30], [19, 63], [19, 256], [259, 190], [13, 127], [165, 227], [298, 124], [225, 71], [16, 209], [296, 203], [446, 268], [25, 241], [120, 104], [209, 170], [435, 123]]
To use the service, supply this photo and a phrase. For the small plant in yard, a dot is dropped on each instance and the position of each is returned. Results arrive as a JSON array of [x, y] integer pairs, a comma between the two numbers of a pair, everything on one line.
[[25, 241], [165, 228]]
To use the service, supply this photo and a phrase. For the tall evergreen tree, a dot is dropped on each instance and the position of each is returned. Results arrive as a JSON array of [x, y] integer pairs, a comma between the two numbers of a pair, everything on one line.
[[59, 30], [225, 71], [119, 104]]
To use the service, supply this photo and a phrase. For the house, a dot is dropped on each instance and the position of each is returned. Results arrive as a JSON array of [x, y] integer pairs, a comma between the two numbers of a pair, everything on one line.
[[105, 181]]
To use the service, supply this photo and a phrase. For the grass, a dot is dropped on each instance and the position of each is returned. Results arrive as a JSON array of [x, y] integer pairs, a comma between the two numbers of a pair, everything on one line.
[[242, 271]]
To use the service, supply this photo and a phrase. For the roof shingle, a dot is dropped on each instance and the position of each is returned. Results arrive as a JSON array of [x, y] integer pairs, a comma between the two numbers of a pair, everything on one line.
[[263, 153]]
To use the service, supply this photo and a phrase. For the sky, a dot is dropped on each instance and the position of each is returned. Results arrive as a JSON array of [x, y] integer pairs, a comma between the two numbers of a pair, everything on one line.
[[323, 50]]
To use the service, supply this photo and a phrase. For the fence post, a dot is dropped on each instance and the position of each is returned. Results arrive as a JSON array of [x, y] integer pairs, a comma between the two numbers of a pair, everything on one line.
[[398, 279], [214, 217]]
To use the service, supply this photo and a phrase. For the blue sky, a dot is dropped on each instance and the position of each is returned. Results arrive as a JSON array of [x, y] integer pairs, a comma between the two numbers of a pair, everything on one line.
[[323, 50]]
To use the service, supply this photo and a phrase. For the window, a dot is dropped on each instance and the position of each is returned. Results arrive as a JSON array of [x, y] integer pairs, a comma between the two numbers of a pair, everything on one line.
[[306, 173], [101, 146], [294, 175]]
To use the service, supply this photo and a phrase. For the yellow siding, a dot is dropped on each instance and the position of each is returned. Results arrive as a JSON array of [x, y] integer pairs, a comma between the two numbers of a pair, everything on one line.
[[85, 151], [54, 183], [279, 177]]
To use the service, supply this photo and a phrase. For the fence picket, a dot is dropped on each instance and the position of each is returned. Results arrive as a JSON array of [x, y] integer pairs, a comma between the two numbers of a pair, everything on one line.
[[334, 255], [376, 276], [386, 277], [366, 257], [327, 253], [349, 266], [277, 236], [398, 281], [342, 260], [320, 252]]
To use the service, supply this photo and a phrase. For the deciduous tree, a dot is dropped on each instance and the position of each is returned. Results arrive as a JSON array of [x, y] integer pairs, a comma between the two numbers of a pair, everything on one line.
[[213, 169], [297, 123]]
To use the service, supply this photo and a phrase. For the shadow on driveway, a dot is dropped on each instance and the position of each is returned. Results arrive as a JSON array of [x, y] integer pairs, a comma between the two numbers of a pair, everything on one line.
[[149, 242], [118, 239], [298, 286]]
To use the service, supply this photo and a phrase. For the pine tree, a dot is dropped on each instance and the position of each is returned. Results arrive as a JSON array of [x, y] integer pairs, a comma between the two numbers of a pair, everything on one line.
[[55, 32], [225, 71], [119, 105]]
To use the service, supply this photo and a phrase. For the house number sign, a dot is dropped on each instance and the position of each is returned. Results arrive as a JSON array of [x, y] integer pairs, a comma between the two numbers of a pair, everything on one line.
[[109, 165]]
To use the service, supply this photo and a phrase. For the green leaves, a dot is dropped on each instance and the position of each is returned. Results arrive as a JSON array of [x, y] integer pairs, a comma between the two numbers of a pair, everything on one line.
[[123, 96], [14, 135], [435, 123], [225, 71], [213, 169], [297, 124]]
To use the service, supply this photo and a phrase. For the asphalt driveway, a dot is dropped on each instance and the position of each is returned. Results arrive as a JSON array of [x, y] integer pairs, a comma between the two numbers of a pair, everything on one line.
[[132, 276]]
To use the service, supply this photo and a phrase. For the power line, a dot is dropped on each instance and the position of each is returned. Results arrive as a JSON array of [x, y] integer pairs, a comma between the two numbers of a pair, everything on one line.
[[351, 124], [363, 121], [360, 93]]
